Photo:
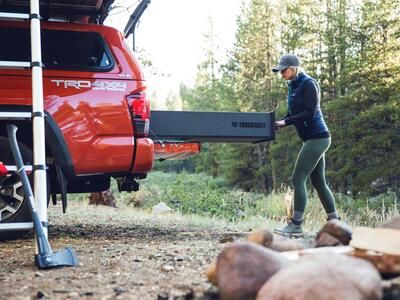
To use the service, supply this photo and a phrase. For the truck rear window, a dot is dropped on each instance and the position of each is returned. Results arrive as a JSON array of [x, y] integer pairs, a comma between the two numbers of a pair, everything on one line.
[[66, 50]]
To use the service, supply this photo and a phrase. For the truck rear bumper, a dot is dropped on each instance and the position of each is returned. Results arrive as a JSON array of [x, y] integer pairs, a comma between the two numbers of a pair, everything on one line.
[[144, 155]]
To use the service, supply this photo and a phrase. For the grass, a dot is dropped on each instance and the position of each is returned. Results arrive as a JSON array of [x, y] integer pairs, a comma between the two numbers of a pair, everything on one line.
[[200, 201]]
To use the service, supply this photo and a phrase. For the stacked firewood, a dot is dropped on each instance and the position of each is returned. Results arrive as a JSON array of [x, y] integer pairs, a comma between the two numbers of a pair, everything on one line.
[[340, 263]]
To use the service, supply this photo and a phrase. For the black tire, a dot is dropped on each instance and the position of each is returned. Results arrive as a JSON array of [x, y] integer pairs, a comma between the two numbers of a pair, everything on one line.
[[13, 203]]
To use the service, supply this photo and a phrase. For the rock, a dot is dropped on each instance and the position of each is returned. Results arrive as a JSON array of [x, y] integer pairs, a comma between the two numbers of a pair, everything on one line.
[[185, 293], [324, 276], [324, 239], [41, 295], [211, 293], [163, 296], [73, 295], [242, 268], [161, 208], [167, 268], [119, 291], [337, 229], [393, 223], [226, 239]]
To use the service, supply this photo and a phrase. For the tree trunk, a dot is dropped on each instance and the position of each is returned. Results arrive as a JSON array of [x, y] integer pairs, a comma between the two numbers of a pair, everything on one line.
[[103, 198]]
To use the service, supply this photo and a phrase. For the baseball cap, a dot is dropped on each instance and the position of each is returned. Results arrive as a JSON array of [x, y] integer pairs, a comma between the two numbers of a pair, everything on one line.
[[287, 61]]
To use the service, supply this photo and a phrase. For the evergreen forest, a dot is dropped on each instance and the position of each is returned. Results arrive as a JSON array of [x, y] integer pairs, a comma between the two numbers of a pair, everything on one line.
[[352, 48]]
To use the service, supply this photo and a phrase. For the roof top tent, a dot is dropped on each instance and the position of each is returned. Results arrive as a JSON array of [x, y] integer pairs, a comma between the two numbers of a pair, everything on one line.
[[76, 11]]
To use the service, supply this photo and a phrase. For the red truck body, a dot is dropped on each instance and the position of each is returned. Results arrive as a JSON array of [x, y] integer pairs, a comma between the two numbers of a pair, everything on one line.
[[91, 109]]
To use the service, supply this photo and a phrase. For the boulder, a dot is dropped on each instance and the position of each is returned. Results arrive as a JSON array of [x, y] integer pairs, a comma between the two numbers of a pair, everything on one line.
[[324, 276], [325, 239], [242, 268], [337, 229]]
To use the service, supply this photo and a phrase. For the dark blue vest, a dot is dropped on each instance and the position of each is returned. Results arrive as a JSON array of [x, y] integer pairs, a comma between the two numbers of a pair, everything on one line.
[[315, 126]]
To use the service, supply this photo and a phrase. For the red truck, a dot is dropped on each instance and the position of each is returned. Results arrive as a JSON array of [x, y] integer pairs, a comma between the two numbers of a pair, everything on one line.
[[97, 110]]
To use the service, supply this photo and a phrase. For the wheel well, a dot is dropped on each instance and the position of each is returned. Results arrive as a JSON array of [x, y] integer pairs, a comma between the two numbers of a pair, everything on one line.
[[24, 134], [56, 148]]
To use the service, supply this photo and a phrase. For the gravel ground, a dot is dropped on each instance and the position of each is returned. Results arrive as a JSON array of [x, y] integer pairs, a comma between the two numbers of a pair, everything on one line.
[[122, 255]]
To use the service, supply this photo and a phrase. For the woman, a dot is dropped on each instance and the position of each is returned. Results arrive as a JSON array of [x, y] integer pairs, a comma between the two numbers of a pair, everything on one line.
[[305, 114]]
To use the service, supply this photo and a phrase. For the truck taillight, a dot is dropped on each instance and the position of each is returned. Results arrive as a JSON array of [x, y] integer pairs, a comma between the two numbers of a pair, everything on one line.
[[139, 105], [140, 110]]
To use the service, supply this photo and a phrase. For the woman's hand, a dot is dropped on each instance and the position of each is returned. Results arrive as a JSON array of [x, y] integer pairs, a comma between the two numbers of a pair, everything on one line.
[[280, 123]]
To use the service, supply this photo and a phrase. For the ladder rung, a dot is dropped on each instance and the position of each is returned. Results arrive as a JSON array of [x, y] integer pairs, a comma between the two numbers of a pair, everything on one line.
[[14, 64], [13, 16], [14, 168], [14, 115], [16, 226]]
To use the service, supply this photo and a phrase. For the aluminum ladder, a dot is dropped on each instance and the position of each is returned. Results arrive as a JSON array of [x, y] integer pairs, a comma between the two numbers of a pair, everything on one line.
[[44, 256], [37, 111]]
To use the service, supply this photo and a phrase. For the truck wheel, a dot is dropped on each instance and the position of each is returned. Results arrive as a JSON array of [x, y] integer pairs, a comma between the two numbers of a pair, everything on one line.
[[13, 204]]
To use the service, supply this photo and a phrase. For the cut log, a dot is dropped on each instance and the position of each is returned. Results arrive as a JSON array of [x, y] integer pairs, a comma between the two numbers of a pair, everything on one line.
[[324, 276], [383, 240], [261, 237], [386, 264], [297, 254], [242, 268], [286, 245], [266, 239]]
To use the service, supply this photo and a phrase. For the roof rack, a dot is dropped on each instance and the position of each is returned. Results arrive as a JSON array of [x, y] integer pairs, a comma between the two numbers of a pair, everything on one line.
[[74, 11]]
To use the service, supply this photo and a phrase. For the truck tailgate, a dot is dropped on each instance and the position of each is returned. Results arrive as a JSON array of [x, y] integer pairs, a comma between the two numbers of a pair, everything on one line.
[[237, 127]]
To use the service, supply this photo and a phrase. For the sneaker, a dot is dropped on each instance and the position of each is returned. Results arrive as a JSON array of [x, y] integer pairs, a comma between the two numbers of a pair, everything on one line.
[[289, 230]]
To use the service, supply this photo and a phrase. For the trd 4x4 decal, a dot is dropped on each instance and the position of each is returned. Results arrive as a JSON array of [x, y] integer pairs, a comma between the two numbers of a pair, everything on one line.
[[98, 85]]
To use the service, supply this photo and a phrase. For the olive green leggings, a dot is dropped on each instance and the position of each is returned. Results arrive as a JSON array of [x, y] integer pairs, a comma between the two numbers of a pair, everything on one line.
[[311, 163]]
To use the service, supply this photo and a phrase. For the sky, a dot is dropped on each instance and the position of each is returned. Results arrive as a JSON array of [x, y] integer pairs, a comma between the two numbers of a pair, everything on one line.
[[171, 35]]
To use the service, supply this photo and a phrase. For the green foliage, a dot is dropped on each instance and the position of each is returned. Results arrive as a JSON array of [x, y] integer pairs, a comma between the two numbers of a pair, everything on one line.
[[200, 194]]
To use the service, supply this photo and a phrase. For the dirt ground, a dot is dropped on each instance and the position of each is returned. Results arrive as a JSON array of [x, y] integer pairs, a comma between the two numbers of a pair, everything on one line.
[[121, 256]]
